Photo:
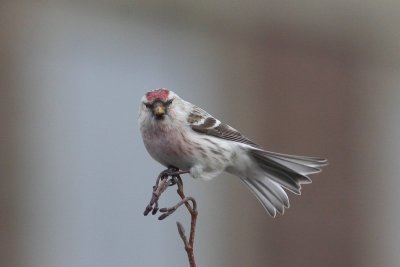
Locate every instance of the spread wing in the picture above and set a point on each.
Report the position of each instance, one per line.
(202, 122)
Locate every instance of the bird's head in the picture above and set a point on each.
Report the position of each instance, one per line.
(158, 103)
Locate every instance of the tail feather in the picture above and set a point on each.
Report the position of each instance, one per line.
(287, 170)
(270, 194)
(306, 158)
(276, 190)
(277, 171)
(262, 197)
(312, 162)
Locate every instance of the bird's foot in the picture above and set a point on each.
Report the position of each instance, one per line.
(172, 172)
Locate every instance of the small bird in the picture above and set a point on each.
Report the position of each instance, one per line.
(178, 134)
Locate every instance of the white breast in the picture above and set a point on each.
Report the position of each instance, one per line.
(167, 145)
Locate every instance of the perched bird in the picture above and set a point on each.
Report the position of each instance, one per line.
(179, 134)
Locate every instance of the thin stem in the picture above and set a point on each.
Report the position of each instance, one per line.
(162, 183)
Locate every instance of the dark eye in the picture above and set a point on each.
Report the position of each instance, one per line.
(169, 102)
(148, 105)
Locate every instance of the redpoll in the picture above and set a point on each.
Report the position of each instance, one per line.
(179, 134)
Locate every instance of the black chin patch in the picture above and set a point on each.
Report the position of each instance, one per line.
(159, 117)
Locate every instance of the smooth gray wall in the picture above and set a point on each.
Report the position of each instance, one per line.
(75, 177)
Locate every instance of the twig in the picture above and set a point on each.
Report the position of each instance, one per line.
(162, 183)
(193, 213)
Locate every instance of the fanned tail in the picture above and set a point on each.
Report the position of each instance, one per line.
(277, 171)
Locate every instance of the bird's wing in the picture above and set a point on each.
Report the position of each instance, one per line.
(202, 122)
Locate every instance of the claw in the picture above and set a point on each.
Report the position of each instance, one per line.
(172, 182)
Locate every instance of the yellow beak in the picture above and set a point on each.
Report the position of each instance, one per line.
(159, 109)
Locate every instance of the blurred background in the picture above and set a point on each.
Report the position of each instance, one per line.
(318, 78)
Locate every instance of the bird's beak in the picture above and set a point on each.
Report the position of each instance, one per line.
(159, 109)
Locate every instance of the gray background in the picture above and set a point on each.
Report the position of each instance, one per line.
(302, 77)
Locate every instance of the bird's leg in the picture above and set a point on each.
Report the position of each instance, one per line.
(179, 172)
(173, 172)
(174, 175)
(169, 171)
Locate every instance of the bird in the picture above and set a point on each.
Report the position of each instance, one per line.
(179, 134)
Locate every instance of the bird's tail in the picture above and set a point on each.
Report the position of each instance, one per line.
(277, 171)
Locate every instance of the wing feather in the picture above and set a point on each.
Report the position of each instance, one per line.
(202, 122)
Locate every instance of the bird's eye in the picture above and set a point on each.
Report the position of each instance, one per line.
(169, 102)
(148, 105)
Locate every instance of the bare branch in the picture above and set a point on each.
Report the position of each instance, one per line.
(162, 183)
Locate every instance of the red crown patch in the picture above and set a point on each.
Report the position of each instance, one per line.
(161, 94)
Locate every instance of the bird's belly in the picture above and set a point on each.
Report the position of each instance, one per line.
(175, 147)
